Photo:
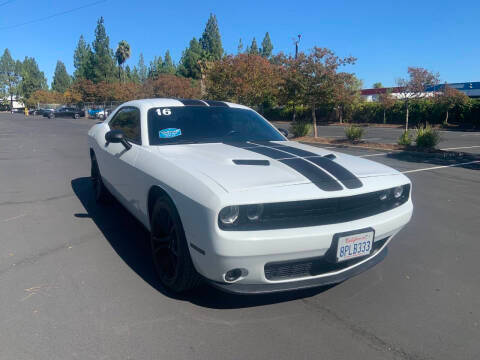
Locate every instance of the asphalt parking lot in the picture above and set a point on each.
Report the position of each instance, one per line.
(76, 279)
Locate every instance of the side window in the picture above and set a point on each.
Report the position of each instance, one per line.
(128, 120)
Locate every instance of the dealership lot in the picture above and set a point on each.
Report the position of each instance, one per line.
(77, 281)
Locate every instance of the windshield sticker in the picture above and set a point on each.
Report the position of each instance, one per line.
(165, 112)
(169, 133)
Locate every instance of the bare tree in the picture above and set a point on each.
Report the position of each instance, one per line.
(413, 87)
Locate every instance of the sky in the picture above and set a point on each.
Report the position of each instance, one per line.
(385, 36)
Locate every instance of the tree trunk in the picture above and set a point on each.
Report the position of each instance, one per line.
(314, 117)
(406, 120)
(294, 112)
(384, 116)
(340, 115)
(446, 118)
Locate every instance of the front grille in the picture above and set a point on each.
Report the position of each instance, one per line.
(313, 266)
(295, 214)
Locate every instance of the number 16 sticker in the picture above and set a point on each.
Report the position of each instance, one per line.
(165, 112)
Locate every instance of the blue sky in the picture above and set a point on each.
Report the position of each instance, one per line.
(385, 36)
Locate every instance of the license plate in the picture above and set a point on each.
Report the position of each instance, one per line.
(353, 246)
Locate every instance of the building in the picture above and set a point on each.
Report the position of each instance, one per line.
(17, 103)
(471, 89)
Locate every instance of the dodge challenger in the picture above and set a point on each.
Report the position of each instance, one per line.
(228, 199)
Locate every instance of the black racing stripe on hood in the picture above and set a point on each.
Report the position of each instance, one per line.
(346, 177)
(310, 171)
(216, 103)
(313, 173)
(192, 102)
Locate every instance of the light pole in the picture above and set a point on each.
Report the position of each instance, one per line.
(296, 41)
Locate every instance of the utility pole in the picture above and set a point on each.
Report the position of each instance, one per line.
(296, 41)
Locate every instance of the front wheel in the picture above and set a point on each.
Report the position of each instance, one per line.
(171, 256)
(101, 192)
(51, 116)
(76, 116)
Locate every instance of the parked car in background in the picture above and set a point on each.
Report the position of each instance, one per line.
(42, 111)
(65, 112)
(94, 112)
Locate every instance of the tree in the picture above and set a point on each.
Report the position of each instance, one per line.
(61, 80)
(253, 49)
(155, 67)
(267, 47)
(9, 76)
(32, 78)
(244, 78)
(318, 78)
(413, 87)
(450, 98)
(82, 60)
(168, 67)
(142, 68)
(44, 97)
(378, 85)
(103, 63)
(211, 41)
(240, 46)
(189, 63)
(387, 101)
(122, 55)
(346, 93)
(167, 85)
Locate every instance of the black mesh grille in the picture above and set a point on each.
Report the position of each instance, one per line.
(312, 266)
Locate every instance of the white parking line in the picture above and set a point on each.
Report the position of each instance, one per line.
(462, 147)
(440, 167)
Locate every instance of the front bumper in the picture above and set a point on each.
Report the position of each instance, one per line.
(334, 278)
(255, 250)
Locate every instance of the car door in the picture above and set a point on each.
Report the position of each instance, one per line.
(119, 163)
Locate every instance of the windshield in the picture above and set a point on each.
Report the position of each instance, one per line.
(195, 124)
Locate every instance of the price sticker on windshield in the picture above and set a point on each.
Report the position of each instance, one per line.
(164, 112)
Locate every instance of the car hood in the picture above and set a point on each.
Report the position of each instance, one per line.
(219, 162)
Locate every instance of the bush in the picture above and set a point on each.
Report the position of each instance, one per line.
(405, 138)
(301, 128)
(427, 137)
(353, 133)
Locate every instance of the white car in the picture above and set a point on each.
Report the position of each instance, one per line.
(228, 199)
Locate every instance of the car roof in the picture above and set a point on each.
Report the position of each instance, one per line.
(165, 102)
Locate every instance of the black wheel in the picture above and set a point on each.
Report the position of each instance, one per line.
(170, 250)
(51, 116)
(76, 116)
(101, 192)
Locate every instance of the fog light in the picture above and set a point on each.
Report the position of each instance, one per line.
(398, 192)
(233, 275)
(254, 212)
(229, 214)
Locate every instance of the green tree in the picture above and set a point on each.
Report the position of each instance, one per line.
(190, 62)
(155, 67)
(240, 47)
(61, 80)
(122, 55)
(378, 85)
(32, 78)
(103, 63)
(211, 41)
(253, 49)
(267, 47)
(82, 60)
(9, 76)
(142, 69)
(168, 67)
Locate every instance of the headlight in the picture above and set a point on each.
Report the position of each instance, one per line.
(254, 212)
(229, 215)
(398, 192)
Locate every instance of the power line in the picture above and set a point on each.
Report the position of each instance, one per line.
(6, 2)
(53, 15)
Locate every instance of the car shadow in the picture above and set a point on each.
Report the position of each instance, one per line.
(130, 240)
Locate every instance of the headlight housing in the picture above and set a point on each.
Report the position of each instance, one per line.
(229, 215)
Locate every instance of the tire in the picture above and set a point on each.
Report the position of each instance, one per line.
(51, 116)
(76, 116)
(102, 194)
(170, 253)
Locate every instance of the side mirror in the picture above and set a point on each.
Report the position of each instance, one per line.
(117, 136)
(283, 131)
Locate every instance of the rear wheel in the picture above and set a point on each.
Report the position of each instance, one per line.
(170, 253)
(51, 116)
(101, 192)
(76, 116)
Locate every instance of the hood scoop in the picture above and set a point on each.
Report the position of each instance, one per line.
(252, 162)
